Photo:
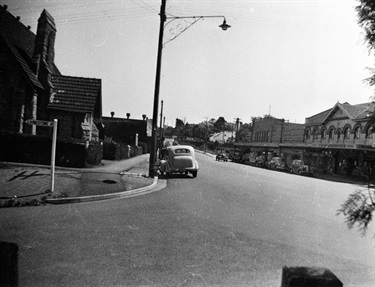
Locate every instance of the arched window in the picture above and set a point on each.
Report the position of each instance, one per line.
(338, 134)
(307, 134)
(323, 133)
(357, 132)
(347, 133)
(331, 133)
(315, 134)
(370, 132)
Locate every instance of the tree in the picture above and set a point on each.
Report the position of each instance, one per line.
(360, 205)
(244, 133)
(179, 123)
(358, 208)
(179, 128)
(366, 19)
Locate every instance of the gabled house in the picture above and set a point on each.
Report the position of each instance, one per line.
(32, 87)
(75, 102)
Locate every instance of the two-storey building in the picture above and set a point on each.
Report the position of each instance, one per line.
(273, 137)
(341, 139)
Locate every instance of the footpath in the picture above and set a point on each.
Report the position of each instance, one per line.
(27, 184)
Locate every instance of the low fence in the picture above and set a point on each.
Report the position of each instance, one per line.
(37, 150)
(117, 151)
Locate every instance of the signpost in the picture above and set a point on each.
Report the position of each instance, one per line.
(53, 150)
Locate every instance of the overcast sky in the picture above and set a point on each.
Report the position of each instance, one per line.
(292, 59)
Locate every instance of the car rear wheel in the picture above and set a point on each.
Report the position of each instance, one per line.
(194, 173)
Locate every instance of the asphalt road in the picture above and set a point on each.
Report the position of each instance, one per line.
(233, 225)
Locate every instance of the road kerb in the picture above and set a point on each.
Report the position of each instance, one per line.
(121, 194)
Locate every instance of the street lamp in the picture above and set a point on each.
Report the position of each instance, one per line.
(163, 18)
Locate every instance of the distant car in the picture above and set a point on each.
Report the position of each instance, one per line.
(222, 156)
(276, 163)
(179, 159)
(300, 167)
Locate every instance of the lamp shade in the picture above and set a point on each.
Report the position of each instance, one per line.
(224, 26)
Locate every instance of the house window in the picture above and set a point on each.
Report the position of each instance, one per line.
(357, 132)
(315, 134)
(330, 134)
(307, 134)
(338, 134)
(323, 134)
(347, 133)
(369, 132)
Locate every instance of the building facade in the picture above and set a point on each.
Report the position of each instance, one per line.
(126, 130)
(341, 139)
(273, 137)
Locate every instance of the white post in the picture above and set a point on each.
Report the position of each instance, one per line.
(53, 155)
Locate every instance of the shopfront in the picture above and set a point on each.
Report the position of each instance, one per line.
(351, 160)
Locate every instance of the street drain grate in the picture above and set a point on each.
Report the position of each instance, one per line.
(109, 181)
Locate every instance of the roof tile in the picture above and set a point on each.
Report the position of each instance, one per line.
(75, 94)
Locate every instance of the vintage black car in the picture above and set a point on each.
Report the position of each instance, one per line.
(222, 156)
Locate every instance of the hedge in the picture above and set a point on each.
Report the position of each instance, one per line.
(37, 150)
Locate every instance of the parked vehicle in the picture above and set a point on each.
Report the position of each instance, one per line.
(179, 159)
(222, 156)
(260, 161)
(276, 163)
(300, 167)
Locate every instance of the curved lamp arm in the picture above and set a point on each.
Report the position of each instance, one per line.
(177, 25)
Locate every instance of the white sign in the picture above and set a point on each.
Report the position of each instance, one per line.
(40, 123)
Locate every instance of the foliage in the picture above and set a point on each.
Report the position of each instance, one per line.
(179, 123)
(244, 133)
(220, 124)
(358, 208)
(366, 19)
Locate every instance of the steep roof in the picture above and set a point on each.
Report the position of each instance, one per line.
(359, 111)
(21, 42)
(354, 112)
(75, 94)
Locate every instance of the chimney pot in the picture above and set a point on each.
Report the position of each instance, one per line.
(5, 7)
(29, 27)
(127, 115)
(18, 18)
(112, 114)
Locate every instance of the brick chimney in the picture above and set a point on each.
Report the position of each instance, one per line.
(44, 49)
